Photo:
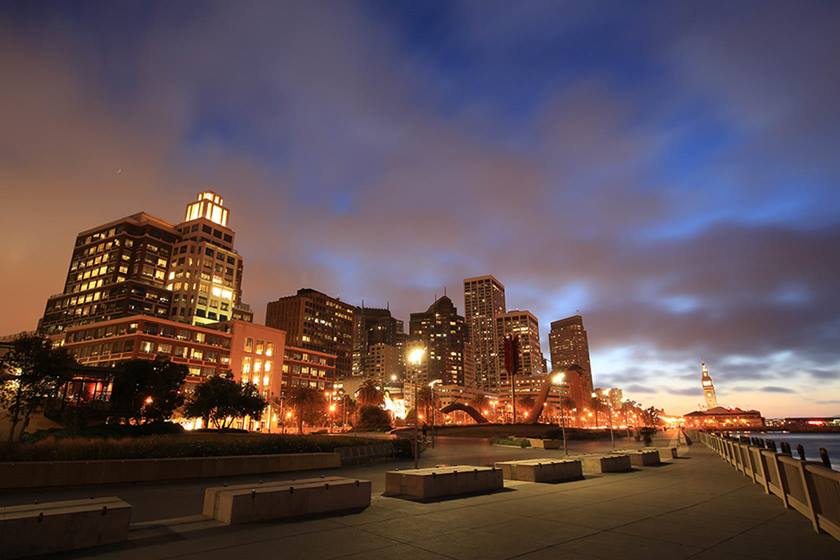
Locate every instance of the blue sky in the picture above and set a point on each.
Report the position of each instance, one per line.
(667, 169)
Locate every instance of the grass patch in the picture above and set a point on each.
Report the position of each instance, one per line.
(172, 445)
(523, 443)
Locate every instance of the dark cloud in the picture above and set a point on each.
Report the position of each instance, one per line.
(675, 184)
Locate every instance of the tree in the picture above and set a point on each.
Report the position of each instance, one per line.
(650, 416)
(148, 391)
(220, 400)
(369, 394)
(308, 404)
(373, 419)
(30, 372)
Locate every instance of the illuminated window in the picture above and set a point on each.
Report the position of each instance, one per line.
(249, 344)
(260, 346)
(246, 366)
(267, 366)
(258, 366)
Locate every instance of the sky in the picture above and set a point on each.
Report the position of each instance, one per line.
(668, 169)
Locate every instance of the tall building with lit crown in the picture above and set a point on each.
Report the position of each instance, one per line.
(525, 327)
(117, 269)
(316, 321)
(569, 345)
(708, 387)
(444, 335)
(484, 300)
(206, 272)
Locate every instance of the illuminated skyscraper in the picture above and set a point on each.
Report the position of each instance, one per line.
(708, 387)
(316, 321)
(444, 335)
(484, 300)
(526, 328)
(116, 270)
(569, 346)
(206, 272)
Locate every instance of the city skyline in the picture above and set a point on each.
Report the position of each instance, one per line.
(659, 199)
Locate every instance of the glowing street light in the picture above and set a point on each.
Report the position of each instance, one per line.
(559, 379)
(415, 358)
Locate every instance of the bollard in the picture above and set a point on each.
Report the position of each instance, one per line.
(800, 451)
(786, 448)
(771, 445)
(826, 460)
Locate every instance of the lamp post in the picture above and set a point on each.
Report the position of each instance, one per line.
(415, 358)
(559, 379)
(432, 395)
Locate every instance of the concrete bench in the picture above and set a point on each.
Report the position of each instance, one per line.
(641, 457)
(544, 443)
(52, 527)
(288, 499)
(664, 452)
(542, 470)
(441, 482)
(604, 463)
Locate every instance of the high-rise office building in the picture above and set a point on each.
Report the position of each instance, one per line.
(569, 346)
(382, 363)
(525, 327)
(144, 265)
(372, 326)
(318, 322)
(116, 270)
(444, 335)
(206, 272)
(484, 300)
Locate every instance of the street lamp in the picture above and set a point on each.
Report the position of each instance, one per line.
(432, 395)
(415, 358)
(559, 379)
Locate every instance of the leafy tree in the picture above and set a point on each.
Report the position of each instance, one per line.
(373, 419)
(30, 372)
(308, 404)
(650, 416)
(148, 391)
(369, 394)
(220, 400)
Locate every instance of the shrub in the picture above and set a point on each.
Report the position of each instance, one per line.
(172, 445)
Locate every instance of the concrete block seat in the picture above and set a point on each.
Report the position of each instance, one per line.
(640, 457)
(51, 527)
(287, 499)
(537, 443)
(542, 470)
(664, 452)
(609, 463)
(442, 482)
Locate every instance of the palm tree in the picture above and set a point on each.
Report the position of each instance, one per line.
(308, 404)
(369, 394)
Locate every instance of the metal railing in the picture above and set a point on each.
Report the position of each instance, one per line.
(811, 488)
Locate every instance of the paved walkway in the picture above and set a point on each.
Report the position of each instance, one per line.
(694, 507)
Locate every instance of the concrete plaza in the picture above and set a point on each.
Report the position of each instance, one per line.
(692, 507)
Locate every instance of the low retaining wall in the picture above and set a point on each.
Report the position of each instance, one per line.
(363, 454)
(806, 486)
(608, 463)
(51, 527)
(641, 457)
(76, 473)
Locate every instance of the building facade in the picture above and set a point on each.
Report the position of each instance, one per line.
(316, 321)
(308, 368)
(525, 327)
(206, 272)
(116, 270)
(444, 335)
(484, 300)
(143, 265)
(723, 418)
(382, 363)
(569, 346)
(373, 328)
